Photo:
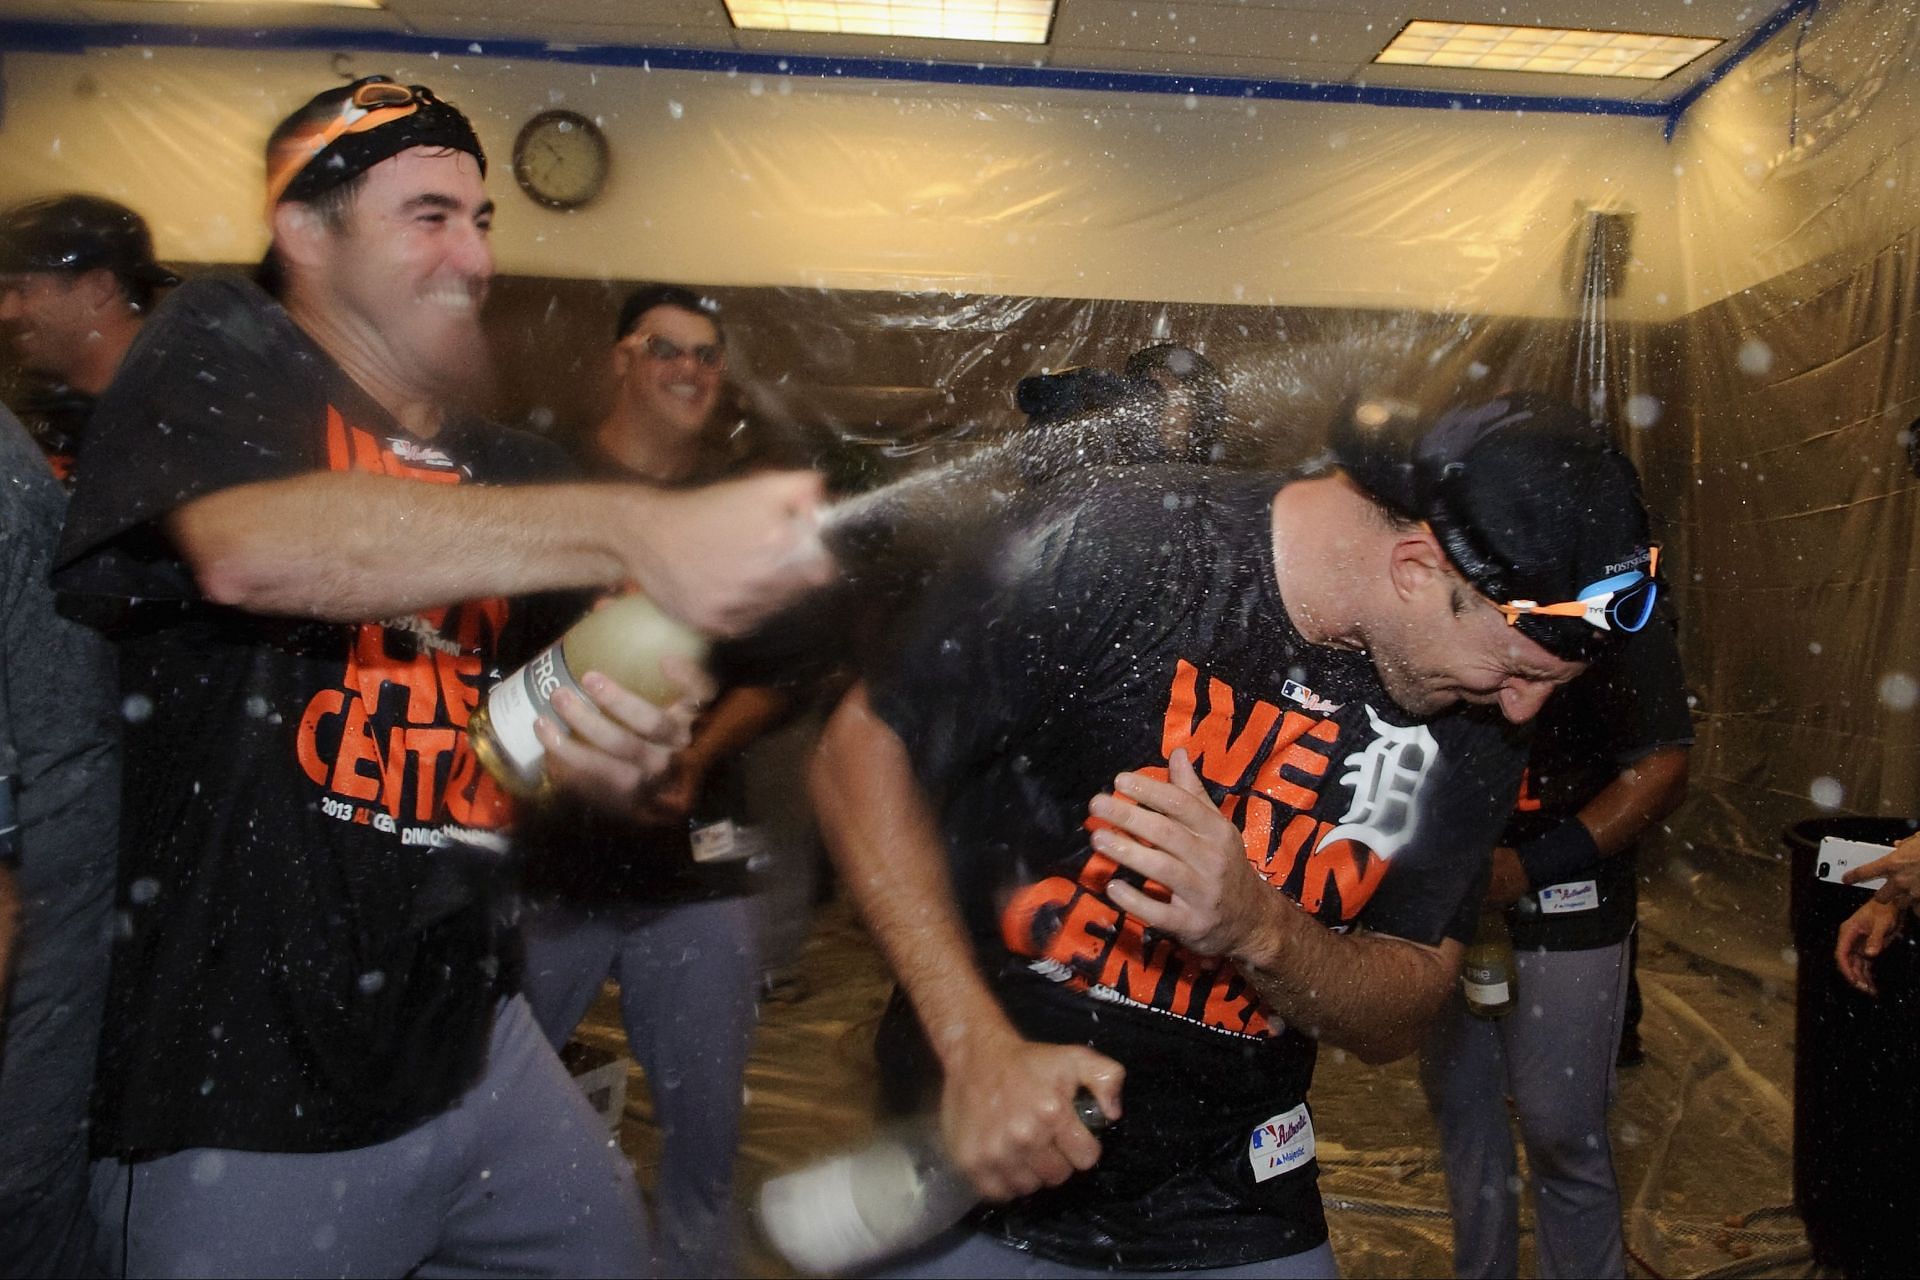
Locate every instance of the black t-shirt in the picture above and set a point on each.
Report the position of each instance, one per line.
(588, 858)
(1630, 704)
(1137, 612)
(309, 953)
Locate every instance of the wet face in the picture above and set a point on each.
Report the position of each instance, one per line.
(663, 383)
(410, 266)
(1467, 654)
(49, 317)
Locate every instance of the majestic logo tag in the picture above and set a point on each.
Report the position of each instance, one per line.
(1282, 1144)
(1294, 691)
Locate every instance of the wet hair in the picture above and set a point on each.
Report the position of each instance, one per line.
(73, 234)
(648, 296)
(1169, 365)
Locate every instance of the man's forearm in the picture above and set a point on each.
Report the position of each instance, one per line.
(349, 547)
(9, 928)
(741, 717)
(885, 841)
(1365, 992)
(1608, 824)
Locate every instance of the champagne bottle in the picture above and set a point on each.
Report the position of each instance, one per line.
(624, 639)
(1488, 974)
(850, 1211)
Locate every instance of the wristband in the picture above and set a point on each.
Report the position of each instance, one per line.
(1559, 855)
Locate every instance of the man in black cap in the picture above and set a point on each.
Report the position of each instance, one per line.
(1256, 679)
(314, 1061)
(77, 280)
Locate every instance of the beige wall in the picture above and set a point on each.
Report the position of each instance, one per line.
(790, 181)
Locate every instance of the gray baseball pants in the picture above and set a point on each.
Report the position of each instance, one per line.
(689, 976)
(520, 1177)
(966, 1254)
(1554, 1055)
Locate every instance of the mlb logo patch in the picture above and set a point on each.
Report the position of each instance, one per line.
(1282, 1144)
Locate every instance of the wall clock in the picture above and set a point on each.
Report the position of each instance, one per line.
(561, 159)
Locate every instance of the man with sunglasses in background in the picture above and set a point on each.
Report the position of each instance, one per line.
(1291, 700)
(660, 901)
(320, 557)
(1609, 759)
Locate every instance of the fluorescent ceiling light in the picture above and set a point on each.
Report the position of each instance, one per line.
(259, 4)
(1555, 50)
(1007, 21)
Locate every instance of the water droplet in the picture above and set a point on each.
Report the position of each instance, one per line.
(143, 891)
(1827, 793)
(1899, 691)
(1756, 357)
(135, 708)
(1642, 411)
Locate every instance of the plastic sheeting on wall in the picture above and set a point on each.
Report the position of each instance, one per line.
(1784, 464)
(897, 256)
(746, 180)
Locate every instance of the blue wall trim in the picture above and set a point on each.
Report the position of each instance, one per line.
(46, 37)
(1761, 34)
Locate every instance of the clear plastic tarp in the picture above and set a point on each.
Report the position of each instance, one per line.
(892, 259)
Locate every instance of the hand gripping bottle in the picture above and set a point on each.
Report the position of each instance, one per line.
(624, 639)
(847, 1212)
(1488, 974)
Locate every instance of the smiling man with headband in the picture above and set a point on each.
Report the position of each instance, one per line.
(314, 1061)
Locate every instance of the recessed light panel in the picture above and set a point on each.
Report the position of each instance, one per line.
(1007, 21)
(329, 4)
(1551, 50)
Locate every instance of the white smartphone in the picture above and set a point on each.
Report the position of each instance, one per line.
(1836, 857)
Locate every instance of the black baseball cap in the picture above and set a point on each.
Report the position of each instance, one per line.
(646, 297)
(76, 233)
(1049, 397)
(341, 133)
(1525, 494)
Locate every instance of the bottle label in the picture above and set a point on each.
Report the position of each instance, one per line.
(1485, 992)
(813, 1218)
(716, 841)
(522, 698)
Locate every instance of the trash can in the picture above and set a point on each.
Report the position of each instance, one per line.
(1856, 1073)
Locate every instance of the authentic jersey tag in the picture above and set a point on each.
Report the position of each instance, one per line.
(1564, 899)
(1282, 1144)
(1294, 691)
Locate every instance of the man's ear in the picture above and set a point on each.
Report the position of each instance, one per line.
(1415, 563)
(622, 360)
(100, 288)
(299, 235)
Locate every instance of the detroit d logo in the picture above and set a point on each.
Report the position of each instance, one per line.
(1386, 779)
